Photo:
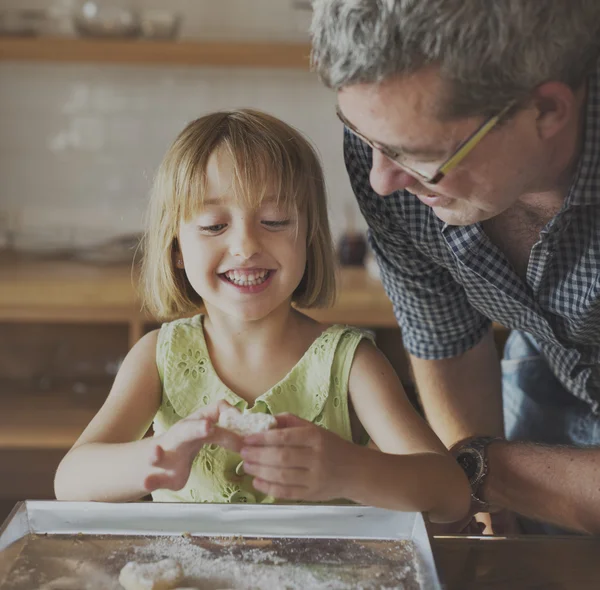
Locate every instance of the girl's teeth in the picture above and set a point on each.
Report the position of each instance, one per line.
(250, 279)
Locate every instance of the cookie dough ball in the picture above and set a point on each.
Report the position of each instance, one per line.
(160, 575)
(247, 423)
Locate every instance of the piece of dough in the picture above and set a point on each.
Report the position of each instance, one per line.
(160, 575)
(247, 423)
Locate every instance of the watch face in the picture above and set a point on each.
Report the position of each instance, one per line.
(470, 465)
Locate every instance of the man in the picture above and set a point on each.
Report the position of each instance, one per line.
(479, 125)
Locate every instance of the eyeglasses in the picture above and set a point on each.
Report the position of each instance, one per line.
(435, 175)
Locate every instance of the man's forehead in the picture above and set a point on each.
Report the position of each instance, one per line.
(399, 112)
(420, 92)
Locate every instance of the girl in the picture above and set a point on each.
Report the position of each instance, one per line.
(238, 222)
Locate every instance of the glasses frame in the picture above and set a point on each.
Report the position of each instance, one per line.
(450, 162)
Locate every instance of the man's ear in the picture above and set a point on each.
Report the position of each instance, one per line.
(556, 105)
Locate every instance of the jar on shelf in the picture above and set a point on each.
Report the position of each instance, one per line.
(352, 245)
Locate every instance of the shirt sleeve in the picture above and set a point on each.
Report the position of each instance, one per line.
(431, 307)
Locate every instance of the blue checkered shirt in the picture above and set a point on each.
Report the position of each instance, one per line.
(447, 283)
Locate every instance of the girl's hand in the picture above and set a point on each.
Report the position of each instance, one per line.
(299, 461)
(172, 456)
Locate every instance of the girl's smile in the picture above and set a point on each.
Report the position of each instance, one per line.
(248, 280)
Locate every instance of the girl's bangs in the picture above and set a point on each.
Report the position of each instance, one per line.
(264, 171)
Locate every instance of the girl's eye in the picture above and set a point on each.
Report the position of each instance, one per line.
(275, 224)
(212, 229)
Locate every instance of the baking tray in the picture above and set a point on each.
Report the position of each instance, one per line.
(48, 545)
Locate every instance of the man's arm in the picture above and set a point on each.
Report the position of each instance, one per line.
(462, 395)
(555, 484)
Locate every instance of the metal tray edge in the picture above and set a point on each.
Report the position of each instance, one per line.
(316, 521)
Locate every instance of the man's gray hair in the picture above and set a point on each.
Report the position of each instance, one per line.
(490, 52)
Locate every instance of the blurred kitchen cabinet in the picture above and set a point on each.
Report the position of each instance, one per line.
(53, 378)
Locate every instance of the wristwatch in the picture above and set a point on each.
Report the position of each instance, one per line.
(471, 455)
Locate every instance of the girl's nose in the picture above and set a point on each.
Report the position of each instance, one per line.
(245, 243)
(387, 177)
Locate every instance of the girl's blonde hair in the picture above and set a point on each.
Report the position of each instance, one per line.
(267, 154)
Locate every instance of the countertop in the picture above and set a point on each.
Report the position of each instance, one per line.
(518, 563)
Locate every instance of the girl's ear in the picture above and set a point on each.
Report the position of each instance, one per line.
(176, 255)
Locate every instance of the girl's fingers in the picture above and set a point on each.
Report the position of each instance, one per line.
(211, 412)
(193, 430)
(206, 413)
(226, 439)
(290, 421)
(276, 475)
(223, 405)
(280, 491)
(192, 435)
(157, 456)
(286, 457)
(166, 479)
(281, 437)
(156, 481)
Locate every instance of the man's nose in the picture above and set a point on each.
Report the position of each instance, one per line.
(245, 242)
(387, 177)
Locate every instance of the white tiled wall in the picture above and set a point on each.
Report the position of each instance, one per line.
(79, 143)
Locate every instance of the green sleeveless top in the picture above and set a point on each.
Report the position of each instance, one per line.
(315, 389)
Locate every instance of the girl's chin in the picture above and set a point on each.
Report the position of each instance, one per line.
(242, 312)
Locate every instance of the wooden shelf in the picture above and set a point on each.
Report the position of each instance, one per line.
(74, 292)
(51, 421)
(140, 52)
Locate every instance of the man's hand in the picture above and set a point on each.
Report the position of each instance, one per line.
(502, 522)
(171, 459)
(298, 461)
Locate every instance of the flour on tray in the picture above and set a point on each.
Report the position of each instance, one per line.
(236, 564)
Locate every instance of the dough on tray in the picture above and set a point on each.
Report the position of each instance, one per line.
(247, 423)
(159, 575)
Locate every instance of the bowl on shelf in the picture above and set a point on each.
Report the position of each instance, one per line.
(101, 19)
(159, 24)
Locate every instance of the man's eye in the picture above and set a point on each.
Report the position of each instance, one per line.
(212, 229)
(280, 223)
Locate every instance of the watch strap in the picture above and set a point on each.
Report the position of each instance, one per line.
(477, 445)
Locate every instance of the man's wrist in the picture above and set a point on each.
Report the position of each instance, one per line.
(491, 489)
(472, 455)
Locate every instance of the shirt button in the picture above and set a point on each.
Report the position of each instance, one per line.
(241, 497)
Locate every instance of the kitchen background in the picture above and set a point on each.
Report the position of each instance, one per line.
(79, 142)
(83, 124)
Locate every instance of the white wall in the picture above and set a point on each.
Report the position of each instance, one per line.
(79, 143)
